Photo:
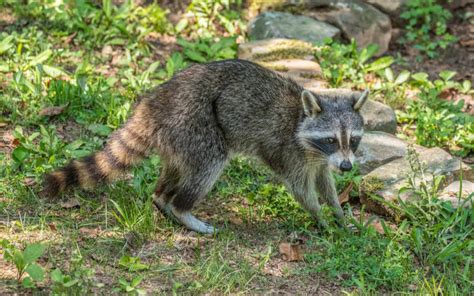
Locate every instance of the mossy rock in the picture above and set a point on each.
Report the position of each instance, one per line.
(276, 49)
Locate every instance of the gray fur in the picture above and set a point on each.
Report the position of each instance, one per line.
(208, 112)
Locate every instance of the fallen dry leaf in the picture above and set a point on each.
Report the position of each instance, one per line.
(70, 203)
(70, 38)
(467, 43)
(344, 196)
(90, 231)
(236, 220)
(291, 252)
(52, 226)
(52, 111)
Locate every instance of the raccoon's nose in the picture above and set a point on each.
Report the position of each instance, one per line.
(345, 166)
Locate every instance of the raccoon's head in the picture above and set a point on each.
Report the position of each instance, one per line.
(332, 127)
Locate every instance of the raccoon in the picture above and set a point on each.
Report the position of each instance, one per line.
(206, 114)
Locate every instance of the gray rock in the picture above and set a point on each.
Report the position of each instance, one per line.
(286, 25)
(451, 193)
(275, 49)
(377, 149)
(391, 7)
(306, 73)
(356, 19)
(387, 180)
(377, 116)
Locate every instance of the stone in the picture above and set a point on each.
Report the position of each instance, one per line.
(307, 73)
(387, 180)
(377, 116)
(377, 149)
(451, 193)
(356, 19)
(275, 49)
(391, 7)
(272, 24)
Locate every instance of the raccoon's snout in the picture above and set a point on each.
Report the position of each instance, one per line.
(345, 166)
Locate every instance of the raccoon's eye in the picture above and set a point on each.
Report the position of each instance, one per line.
(355, 140)
(328, 140)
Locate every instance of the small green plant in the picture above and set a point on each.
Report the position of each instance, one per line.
(79, 281)
(393, 88)
(175, 63)
(25, 262)
(341, 63)
(132, 263)
(426, 26)
(205, 50)
(205, 17)
(130, 288)
(439, 122)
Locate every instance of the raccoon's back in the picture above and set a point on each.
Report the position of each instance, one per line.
(249, 104)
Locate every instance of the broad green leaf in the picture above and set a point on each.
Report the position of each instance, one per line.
(57, 276)
(181, 25)
(28, 282)
(447, 75)
(389, 74)
(420, 76)
(227, 53)
(53, 71)
(70, 283)
(152, 68)
(6, 44)
(195, 56)
(19, 260)
(402, 77)
(367, 53)
(33, 252)
(35, 271)
(136, 281)
(466, 85)
(186, 44)
(20, 154)
(39, 59)
(107, 7)
(380, 64)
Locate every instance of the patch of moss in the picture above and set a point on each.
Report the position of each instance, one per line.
(279, 68)
(290, 49)
(371, 185)
(310, 75)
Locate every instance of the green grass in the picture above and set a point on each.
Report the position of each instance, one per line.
(94, 60)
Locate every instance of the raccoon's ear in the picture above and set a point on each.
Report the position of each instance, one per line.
(310, 103)
(359, 102)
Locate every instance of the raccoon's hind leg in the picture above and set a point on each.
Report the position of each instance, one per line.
(179, 191)
(166, 189)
